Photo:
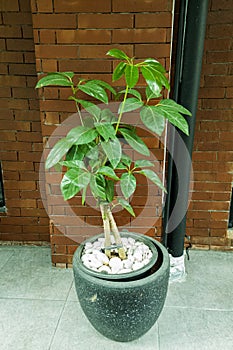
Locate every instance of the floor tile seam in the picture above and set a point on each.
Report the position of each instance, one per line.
(199, 308)
(60, 316)
(6, 262)
(31, 299)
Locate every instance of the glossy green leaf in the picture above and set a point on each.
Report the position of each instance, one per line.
(113, 151)
(109, 190)
(131, 75)
(97, 185)
(117, 54)
(172, 112)
(128, 184)
(81, 135)
(104, 85)
(74, 164)
(150, 94)
(151, 175)
(141, 163)
(108, 171)
(126, 206)
(154, 63)
(134, 141)
(75, 153)
(70, 185)
(125, 159)
(88, 106)
(154, 84)
(106, 130)
(152, 119)
(53, 79)
(95, 90)
(107, 116)
(173, 106)
(119, 71)
(58, 151)
(130, 104)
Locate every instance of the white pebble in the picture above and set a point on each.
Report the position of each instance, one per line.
(104, 268)
(137, 265)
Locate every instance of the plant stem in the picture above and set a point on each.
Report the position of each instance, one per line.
(122, 108)
(106, 223)
(113, 225)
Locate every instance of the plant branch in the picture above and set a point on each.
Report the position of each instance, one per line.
(106, 223)
(113, 225)
(122, 107)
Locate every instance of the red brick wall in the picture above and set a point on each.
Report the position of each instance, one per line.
(213, 149)
(20, 127)
(76, 36)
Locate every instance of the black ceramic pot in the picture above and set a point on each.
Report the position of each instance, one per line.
(123, 309)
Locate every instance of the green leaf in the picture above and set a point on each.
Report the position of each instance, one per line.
(58, 151)
(131, 75)
(150, 94)
(81, 135)
(130, 104)
(69, 75)
(171, 111)
(88, 106)
(134, 141)
(109, 190)
(104, 85)
(70, 184)
(154, 84)
(158, 75)
(119, 71)
(53, 79)
(74, 164)
(109, 172)
(118, 54)
(92, 89)
(126, 160)
(97, 185)
(141, 163)
(107, 116)
(151, 175)
(152, 119)
(75, 153)
(106, 130)
(173, 106)
(126, 206)
(153, 63)
(112, 149)
(128, 184)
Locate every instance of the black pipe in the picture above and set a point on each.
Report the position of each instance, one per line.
(190, 44)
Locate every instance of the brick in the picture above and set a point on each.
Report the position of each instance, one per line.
(47, 36)
(25, 68)
(14, 103)
(11, 57)
(218, 81)
(85, 66)
(44, 6)
(205, 92)
(9, 6)
(56, 51)
(152, 50)
(3, 68)
(15, 18)
(8, 31)
(153, 20)
(5, 92)
(220, 30)
(99, 51)
(220, 57)
(25, 5)
(26, 136)
(140, 6)
(27, 32)
(139, 35)
(102, 21)
(29, 57)
(82, 6)
(223, 5)
(216, 17)
(54, 21)
(83, 36)
(50, 65)
(20, 44)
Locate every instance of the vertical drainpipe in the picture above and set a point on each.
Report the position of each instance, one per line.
(189, 53)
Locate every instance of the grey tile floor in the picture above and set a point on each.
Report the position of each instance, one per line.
(39, 309)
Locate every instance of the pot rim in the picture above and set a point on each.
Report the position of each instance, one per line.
(123, 283)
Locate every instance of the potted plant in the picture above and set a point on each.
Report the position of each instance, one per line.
(121, 300)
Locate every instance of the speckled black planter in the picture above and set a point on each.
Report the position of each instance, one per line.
(123, 310)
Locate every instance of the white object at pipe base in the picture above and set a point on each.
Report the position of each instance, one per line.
(177, 269)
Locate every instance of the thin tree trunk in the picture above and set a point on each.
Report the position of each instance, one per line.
(115, 231)
(106, 223)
